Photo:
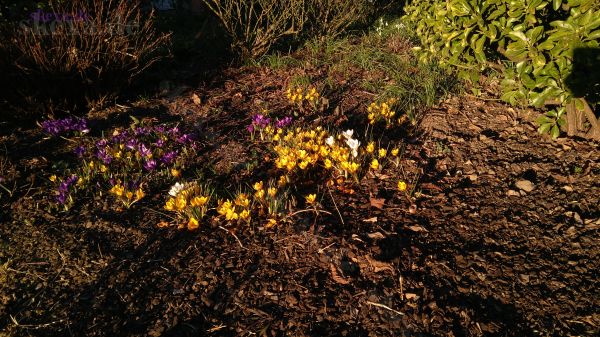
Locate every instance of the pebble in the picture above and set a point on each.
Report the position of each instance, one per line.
(525, 185)
(568, 188)
(513, 193)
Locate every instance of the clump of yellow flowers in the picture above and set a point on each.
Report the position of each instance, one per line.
(268, 197)
(383, 111)
(299, 150)
(236, 210)
(190, 201)
(300, 95)
(127, 196)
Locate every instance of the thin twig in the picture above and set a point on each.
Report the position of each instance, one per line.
(34, 326)
(334, 204)
(235, 236)
(308, 210)
(385, 307)
(161, 213)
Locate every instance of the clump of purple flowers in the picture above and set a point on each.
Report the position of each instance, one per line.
(258, 122)
(64, 186)
(147, 147)
(282, 123)
(140, 154)
(55, 127)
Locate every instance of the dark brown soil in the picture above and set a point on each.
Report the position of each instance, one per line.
(472, 255)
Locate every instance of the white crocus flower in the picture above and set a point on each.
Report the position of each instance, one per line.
(329, 141)
(175, 189)
(348, 134)
(353, 144)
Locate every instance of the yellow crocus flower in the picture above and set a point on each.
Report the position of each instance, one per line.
(193, 224)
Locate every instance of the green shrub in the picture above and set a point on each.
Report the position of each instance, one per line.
(531, 42)
(74, 62)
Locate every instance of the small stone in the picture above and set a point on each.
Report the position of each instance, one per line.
(525, 185)
(473, 177)
(568, 188)
(513, 193)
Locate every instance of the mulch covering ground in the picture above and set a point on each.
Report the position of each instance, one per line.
(479, 253)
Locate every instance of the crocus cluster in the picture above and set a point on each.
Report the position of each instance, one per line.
(147, 148)
(263, 124)
(190, 201)
(299, 150)
(127, 193)
(235, 210)
(383, 111)
(57, 127)
(128, 159)
(337, 155)
(299, 95)
(259, 121)
(284, 122)
(269, 199)
(63, 193)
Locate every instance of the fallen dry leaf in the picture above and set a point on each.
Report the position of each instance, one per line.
(376, 236)
(336, 277)
(417, 229)
(379, 265)
(162, 224)
(373, 219)
(410, 296)
(196, 99)
(377, 202)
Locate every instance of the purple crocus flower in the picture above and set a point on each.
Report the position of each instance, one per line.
(101, 143)
(144, 151)
(186, 138)
(63, 188)
(260, 120)
(79, 151)
(174, 131)
(250, 128)
(283, 122)
(59, 126)
(104, 156)
(141, 131)
(119, 138)
(150, 165)
(131, 143)
(169, 157)
(160, 143)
